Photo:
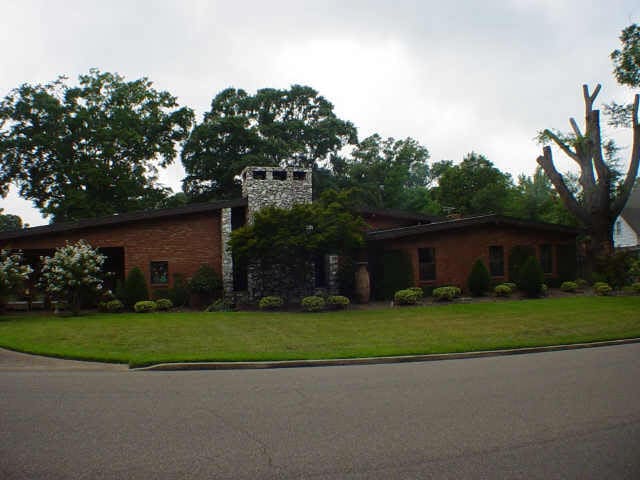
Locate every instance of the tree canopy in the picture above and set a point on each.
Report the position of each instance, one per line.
(626, 61)
(91, 149)
(274, 127)
(9, 222)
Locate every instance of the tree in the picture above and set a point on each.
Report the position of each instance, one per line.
(602, 196)
(626, 61)
(134, 289)
(73, 272)
(12, 274)
(473, 186)
(479, 280)
(9, 222)
(91, 149)
(294, 127)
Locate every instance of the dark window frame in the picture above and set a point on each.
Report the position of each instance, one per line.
(159, 272)
(279, 175)
(259, 174)
(496, 264)
(427, 264)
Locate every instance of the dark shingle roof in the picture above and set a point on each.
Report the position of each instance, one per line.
(631, 211)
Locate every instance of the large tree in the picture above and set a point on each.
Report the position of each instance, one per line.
(9, 221)
(91, 149)
(293, 127)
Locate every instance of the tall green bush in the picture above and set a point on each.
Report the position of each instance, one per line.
(134, 288)
(479, 279)
(392, 271)
(531, 278)
(517, 258)
(179, 293)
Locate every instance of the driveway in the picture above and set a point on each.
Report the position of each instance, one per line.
(569, 414)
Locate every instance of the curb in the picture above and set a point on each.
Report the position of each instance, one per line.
(374, 360)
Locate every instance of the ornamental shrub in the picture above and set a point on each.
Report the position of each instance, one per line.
(602, 288)
(635, 287)
(145, 306)
(179, 293)
(271, 302)
(392, 271)
(502, 290)
(571, 287)
(164, 304)
(544, 290)
(581, 282)
(479, 280)
(220, 305)
(338, 302)
(205, 281)
(134, 289)
(114, 306)
(531, 277)
(517, 258)
(73, 272)
(511, 285)
(418, 291)
(12, 274)
(446, 294)
(313, 303)
(407, 296)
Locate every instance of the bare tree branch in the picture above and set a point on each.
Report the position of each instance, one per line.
(632, 172)
(596, 146)
(563, 146)
(575, 127)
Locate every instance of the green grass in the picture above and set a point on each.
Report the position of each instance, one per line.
(142, 339)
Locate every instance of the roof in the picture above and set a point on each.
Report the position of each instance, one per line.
(386, 212)
(631, 211)
(479, 220)
(122, 218)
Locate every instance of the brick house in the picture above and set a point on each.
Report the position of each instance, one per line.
(166, 242)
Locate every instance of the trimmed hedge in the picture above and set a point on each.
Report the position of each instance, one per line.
(407, 296)
(312, 303)
(602, 288)
(271, 302)
(164, 304)
(145, 306)
(446, 294)
(337, 302)
(114, 306)
(571, 287)
(502, 290)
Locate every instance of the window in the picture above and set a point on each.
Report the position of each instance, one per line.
(496, 261)
(259, 175)
(320, 271)
(546, 258)
(299, 175)
(618, 227)
(427, 263)
(279, 175)
(159, 273)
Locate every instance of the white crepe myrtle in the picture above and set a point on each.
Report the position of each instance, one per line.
(12, 273)
(74, 270)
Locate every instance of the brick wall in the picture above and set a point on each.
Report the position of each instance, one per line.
(185, 241)
(457, 250)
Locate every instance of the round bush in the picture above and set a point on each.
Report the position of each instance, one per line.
(531, 277)
(220, 305)
(446, 294)
(271, 302)
(511, 285)
(145, 306)
(164, 304)
(502, 290)
(569, 287)
(407, 296)
(312, 303)
(479, 279)
(337, 302)
(581, 282)
(134, 288)
(544, 290)
(114, 306)
(602, 288)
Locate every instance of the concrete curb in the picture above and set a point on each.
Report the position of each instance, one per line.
(374, 360)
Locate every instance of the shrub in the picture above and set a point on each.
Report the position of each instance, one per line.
(205, 281)
(531, 278)
(220, 305)
(337, 302)
(312, 303)
(517, 258)
(164, 304)
(544, 290)
(271, 302)
(408, 296)
(114, 306)
(635, 287)
(134, 288)
(179, 293)
(12, 274)
(479, 279)
(392, 271)
(145, 306)
(446, 294)
(571, 287)
(417, 290)
(160, 293)
(581, 282)
(616, 269)
(511, 285)
(602, 288)
(502, 290)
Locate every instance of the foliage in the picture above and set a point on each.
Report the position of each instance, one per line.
(74, 271)
(626, 61)
(179, 293)
(114, 306)
(347, 276)
(479, 279)
(9, 222)
(145, 306)
(91, 149)
(567, 261)
(602, 288)
(502, 290)
(517, 258)
(407, 296)
(12, 273)
(294, 127)
(511, 285)
(205, 281)
(616, 269)
(544, 290)
(635, 287)
(134, 288)
(581, 282)
(164, 304)
(338, 302)
(313, 303)
(270, 302)
(445, 294)
(392, 271)
(569, 286)
(220, 305)
(531, 277)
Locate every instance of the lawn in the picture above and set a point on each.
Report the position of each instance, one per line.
(142, 339)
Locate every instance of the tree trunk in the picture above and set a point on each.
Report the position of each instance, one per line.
(599, 245)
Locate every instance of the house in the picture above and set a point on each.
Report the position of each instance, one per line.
(626, 229)
(176, 241)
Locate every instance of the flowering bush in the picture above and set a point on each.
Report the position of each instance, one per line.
(74, 269)
(12, 273)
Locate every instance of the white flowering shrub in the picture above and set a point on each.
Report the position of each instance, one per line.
(74, 270)
(12, 274)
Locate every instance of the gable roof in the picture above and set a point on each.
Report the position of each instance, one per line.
(631, 211)
(453, 224)
(122, 218)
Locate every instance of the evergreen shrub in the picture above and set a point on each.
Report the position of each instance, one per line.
(114, 306)
(479, 280)
(145, 306)
(313, 303)
(446, 294)
(517, 258)
(337, 302)
(164, 304)
(271, 302)
(407, 296)
(568, 286)
(179, 293)
(220, 305)
(134, 288)
(602, 288)
(392, 271)
(502, 290)
(531, 277)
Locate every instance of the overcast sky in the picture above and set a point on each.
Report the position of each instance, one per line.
(457, 76)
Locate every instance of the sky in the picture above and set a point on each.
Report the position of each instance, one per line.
(458, 76)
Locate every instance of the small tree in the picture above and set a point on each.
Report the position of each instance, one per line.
(479, 279)
(531, 278)
(135, 288)
(74, 270)
(12, 274)
(206, 284)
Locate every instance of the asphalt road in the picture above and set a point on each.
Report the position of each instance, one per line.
(570, 415)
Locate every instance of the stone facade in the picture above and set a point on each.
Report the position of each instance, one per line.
(227, 257)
